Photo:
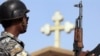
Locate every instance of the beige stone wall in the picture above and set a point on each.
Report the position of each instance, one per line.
(51, 51)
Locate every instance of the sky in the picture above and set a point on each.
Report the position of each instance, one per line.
(41, 12)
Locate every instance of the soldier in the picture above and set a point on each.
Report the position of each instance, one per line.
(14, 20)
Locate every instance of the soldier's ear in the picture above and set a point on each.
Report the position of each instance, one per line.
(22, 21)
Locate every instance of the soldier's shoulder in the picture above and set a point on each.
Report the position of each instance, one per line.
(6, 39)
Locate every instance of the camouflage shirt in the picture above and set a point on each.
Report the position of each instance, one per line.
(13, 46)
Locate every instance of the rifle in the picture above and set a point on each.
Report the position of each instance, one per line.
(78, 33)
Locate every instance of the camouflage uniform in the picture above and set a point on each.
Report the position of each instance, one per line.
(12, 46)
